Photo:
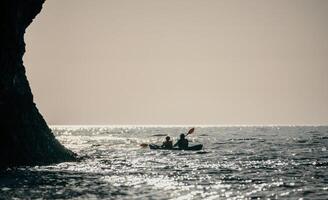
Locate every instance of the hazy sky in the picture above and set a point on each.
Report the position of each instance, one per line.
(180, 61)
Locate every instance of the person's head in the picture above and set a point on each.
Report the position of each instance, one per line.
(167, 138)
(182, 136)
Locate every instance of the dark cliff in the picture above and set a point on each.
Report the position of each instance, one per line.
(25, 138)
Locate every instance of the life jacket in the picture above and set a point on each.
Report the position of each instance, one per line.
(167, 145)
(183, 144)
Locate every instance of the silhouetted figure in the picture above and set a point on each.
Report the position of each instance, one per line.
(167, 144)
(182, 142)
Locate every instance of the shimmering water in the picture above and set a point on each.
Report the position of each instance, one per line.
(237, 163)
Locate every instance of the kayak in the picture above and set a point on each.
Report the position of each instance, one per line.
(196, 147)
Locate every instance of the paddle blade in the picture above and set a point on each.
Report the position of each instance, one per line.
(191, 131)
(144, 145)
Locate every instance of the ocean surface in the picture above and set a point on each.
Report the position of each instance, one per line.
(268, 162)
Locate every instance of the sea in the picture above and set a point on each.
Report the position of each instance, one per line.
(237, 162)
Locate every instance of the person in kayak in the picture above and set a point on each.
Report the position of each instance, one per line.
(167, 144)
(182, 142)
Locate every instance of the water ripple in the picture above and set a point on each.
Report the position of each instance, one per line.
(237, 163)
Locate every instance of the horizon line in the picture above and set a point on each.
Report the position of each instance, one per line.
(187, 125)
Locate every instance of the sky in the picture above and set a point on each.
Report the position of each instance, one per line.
(153, 62)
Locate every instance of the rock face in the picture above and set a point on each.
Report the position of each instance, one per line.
(25, 138)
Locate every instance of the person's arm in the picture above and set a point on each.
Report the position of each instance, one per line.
(171, 144)
(176, 144)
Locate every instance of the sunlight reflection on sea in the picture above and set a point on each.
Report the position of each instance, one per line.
(236, 163)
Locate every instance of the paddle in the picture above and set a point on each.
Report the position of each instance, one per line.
(189, 132)
(143, 145)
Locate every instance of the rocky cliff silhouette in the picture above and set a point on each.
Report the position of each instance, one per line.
(25, 138)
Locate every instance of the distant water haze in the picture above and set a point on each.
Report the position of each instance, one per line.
(180, 62)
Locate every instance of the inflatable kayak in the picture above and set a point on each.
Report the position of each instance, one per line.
(190, 148)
